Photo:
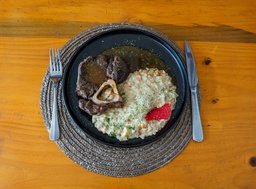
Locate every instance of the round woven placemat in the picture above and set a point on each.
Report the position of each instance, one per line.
(100, 158)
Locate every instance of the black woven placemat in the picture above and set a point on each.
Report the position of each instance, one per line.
(100, 158)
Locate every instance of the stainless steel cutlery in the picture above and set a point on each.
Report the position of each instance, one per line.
(193, 82)
(55, 75)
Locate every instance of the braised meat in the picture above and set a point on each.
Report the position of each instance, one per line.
(94, 74)
(91, 108)
(91, 74)
(117, 69)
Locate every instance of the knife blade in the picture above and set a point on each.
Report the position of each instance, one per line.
(197, 130)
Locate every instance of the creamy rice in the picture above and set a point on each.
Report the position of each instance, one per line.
(143, 91)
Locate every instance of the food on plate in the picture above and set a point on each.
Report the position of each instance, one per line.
(145, 93)
(91, 74)
(106, 97)
(96, 76)
(107, 92)
(91, 108)
(163, 112)
(117, 69)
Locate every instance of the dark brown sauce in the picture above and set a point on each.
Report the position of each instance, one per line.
(137, 58)
(95, 73)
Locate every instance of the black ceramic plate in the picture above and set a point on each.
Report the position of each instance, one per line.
(108, 40)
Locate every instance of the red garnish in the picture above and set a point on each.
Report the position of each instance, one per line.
(163, 112)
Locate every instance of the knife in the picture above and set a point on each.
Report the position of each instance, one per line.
(197, 132)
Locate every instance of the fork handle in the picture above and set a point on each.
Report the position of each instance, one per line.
(54, 130)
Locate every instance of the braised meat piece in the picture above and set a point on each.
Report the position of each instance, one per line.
(91, 74)
(95, 74)
(91, 108)
(117, 69)
(93, 71)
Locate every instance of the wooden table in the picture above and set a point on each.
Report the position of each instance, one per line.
(223, 37)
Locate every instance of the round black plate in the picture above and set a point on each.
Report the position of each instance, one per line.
(114, 38)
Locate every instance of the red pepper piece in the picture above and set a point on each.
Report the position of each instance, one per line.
(163, 112)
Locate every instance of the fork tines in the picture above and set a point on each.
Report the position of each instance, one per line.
(55, 61)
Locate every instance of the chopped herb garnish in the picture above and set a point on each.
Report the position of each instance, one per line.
(107, 119)
(170, 90)
(119, 125)
(131, 127)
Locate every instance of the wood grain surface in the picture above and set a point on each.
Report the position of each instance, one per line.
(222, 35)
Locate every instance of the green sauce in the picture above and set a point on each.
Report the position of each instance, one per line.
(138, 58)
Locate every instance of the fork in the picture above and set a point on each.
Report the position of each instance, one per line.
(55, 75)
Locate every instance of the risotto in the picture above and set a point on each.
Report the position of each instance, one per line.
(142, 91)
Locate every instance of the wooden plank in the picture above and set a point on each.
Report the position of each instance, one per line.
(66, 29)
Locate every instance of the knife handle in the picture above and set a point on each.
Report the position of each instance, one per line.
(198, 135)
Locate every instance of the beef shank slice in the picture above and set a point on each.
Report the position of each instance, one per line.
(93, 72)
(95, 109)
